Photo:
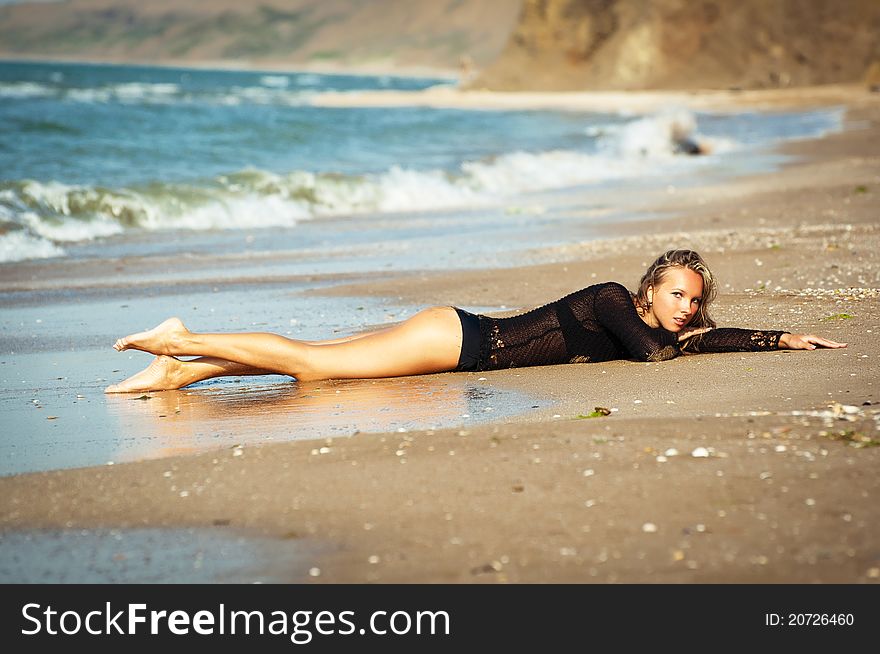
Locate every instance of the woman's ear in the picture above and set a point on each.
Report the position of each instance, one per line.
(649, 294)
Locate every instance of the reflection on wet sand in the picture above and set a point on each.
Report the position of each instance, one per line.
(144, 556)
(224, 413)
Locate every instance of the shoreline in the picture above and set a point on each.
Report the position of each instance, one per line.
(369, 70)
(782, 494)
(636, 101)
(452, 97)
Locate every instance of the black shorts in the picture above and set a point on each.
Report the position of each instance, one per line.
(469, 358)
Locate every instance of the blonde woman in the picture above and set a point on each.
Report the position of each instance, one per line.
(667, 316)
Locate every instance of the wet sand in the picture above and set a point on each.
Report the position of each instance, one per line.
(754, 467)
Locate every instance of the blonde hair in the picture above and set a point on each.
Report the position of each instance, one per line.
(658, 270)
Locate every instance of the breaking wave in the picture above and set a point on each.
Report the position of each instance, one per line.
(37, 218)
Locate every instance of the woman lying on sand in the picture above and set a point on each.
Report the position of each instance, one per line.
(666, 317)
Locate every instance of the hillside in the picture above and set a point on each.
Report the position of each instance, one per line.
(645, 44)
(393, 34)
(542, 45)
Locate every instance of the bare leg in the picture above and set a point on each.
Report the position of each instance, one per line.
(175, 324)
(167, 373)
(346, 339)
(429, 341)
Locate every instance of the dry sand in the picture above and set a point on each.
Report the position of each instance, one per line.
(757, 467)
(613, 101)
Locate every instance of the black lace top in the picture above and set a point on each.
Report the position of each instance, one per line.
(598, 323)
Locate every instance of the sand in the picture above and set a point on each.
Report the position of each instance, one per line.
(637, 101)
(755, 467)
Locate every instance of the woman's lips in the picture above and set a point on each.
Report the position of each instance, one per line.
(680, 321)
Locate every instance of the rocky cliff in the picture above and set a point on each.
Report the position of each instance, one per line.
(643, 44)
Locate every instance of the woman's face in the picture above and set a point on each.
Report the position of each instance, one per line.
(676, 299)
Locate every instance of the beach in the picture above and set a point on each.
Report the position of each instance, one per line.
(731, 468)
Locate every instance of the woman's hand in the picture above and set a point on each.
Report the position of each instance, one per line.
(805, 342)
(685, 334)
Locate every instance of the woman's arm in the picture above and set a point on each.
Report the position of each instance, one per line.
(685, 334)
(806, 342)
(728, 339)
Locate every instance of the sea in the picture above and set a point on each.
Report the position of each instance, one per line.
(108, 161)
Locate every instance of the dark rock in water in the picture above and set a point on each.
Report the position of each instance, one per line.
(688, 146)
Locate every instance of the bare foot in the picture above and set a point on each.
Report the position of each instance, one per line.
(158, 340)
(163, 374)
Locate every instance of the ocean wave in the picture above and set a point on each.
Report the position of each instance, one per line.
(275, 81)
(20, 90)
(270, 91)
(55, 213)
(659, 136)
(308, 79)
(21, 246)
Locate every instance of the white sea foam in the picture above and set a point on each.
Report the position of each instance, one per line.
(269, 93)
(275, 81)
(88, 96)
(258, 95)
(70, 231)
(660, 137)
(128, 93)
(25, 90)
(308, 79)
(526, 171)
(401, 189)
(62, 213)
(657, 136)
(20, 246)
(138, 91)
(244, 212)
(654, 136)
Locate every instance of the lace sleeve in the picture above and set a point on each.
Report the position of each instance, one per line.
(615, 311)
(730, 339)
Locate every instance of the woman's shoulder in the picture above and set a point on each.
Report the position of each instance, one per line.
(605, 292)
(611, 288)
